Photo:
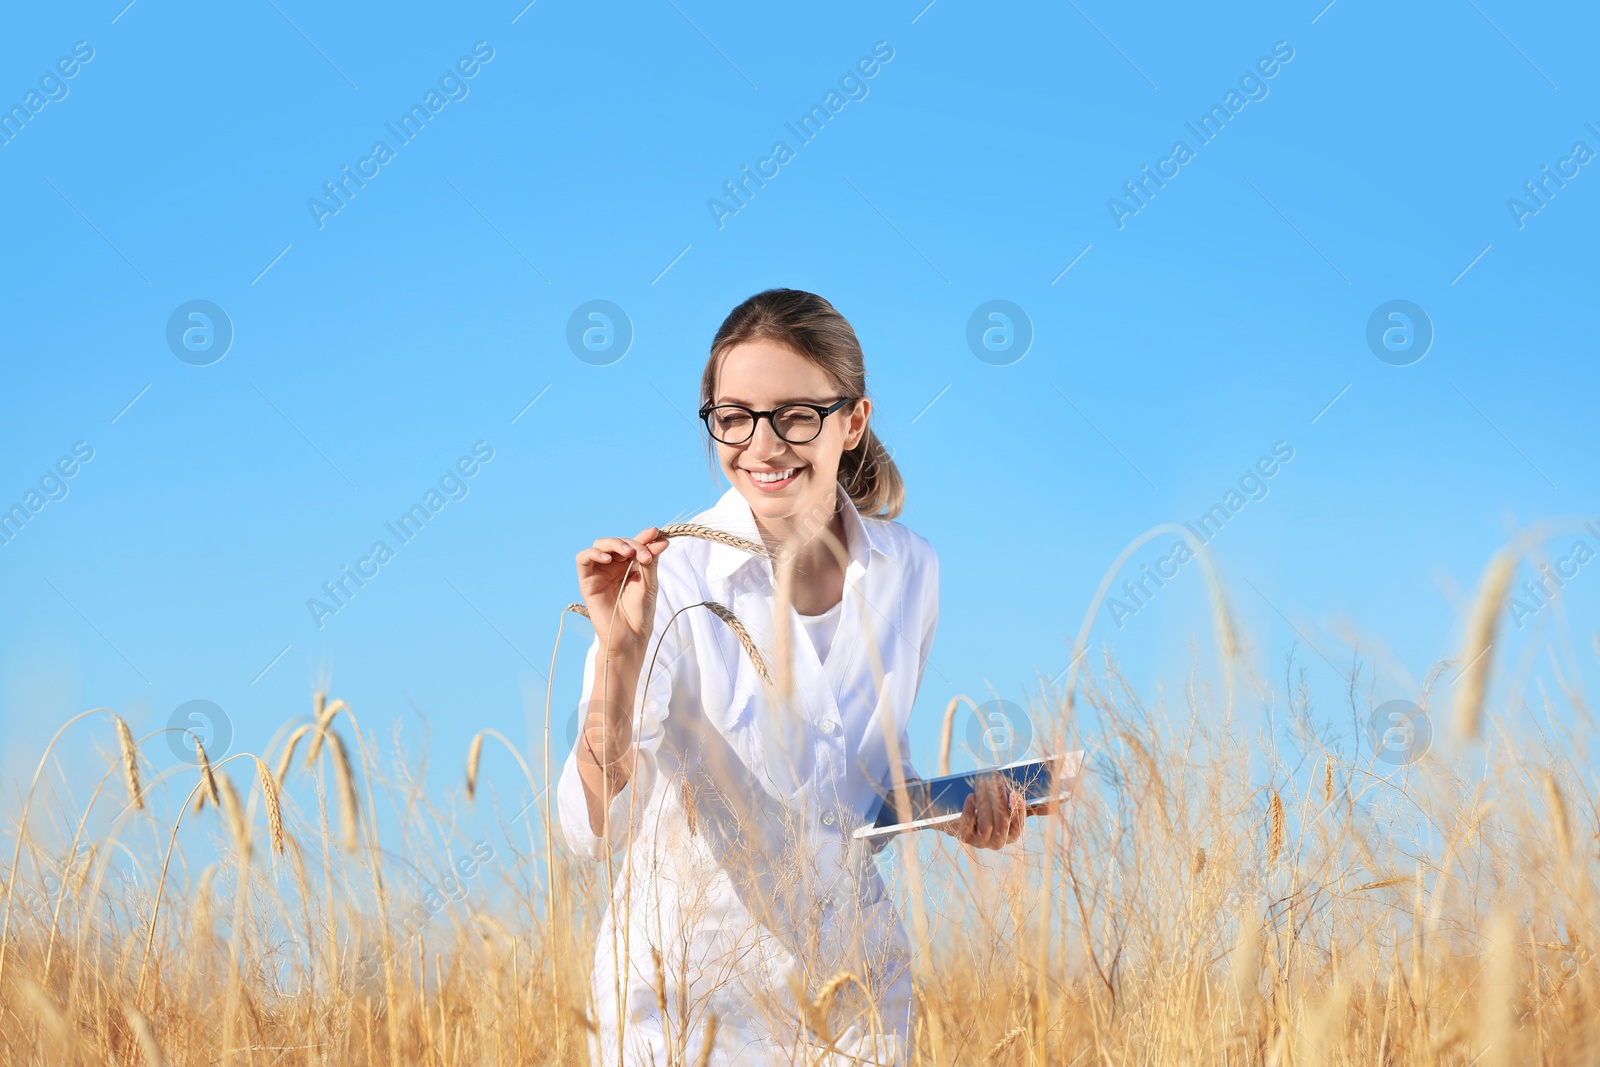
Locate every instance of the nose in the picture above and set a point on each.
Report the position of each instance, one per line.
(764, 441)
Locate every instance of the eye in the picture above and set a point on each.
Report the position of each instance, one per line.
(798, 423)
(731, 421)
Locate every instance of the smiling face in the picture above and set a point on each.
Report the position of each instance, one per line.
(783, 482)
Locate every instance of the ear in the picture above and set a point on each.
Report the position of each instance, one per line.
(856, 424)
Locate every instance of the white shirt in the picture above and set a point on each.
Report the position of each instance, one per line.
(729, 848)
(821, 628)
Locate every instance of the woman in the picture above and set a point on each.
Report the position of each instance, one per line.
(721, 804)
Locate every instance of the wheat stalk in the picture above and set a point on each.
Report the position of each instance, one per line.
(130, 763)
(578, 609)
(690, 815)
(1327, 779)
(207, 779)
(286, 758)
(1480, 636)
(269, 790)
(233, 813)
(346, 781)
(710, 1040)
(1560, 825)
(202, 904)
(324, 717)
(474, 757)
(1384, 883)
(1007, 1041)
(706, 533)
(1275, 829)
(1197, 864)
(745, 640)
(148, 1048)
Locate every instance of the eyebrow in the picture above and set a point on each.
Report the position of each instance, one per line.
(798, 400)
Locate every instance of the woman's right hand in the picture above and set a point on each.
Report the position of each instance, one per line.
(617, 579)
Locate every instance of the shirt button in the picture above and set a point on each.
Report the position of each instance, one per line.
(829, 727)
(829, 818)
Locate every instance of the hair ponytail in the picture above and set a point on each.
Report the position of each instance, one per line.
(871, 479)
(809, 325)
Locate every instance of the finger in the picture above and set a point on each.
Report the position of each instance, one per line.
(1019, 816)
(968, 825)
(986, 813)
(593, 557)
(614, 545)
(641, 551)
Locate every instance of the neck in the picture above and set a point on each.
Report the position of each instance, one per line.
(815, 549)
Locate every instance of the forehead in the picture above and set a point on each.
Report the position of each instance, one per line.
(767, 372)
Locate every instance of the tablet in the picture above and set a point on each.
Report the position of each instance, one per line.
(937, 801)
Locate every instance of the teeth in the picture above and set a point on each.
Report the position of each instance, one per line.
(771, 476)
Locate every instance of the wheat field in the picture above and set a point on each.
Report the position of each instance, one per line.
(1220, 893)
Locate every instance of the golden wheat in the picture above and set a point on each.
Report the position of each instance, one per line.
(706, 533)
(345, 780)
(269, 793)
(233, 815)
(745, 640)
(1274, 828)
(208, 780)
(474, 757)
(286, 757)
(1167, 922)
(130, 763)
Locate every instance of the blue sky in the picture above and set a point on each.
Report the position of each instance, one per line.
(1177, 337)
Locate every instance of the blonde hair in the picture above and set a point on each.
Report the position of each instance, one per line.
(811, 327)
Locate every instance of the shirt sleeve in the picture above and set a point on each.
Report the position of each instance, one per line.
(930, 623)
(651, 705)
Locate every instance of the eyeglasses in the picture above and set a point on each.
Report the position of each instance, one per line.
(734, 424)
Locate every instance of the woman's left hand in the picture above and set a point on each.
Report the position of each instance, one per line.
(992, 817)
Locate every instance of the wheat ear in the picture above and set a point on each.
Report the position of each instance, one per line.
(745, 640)
(207, 778)
(324, 718)
(1480, 636)
(1275, 829)
(287, 758)
(130, 763)
(706, 533)
(474, 757)
(710, 1041)
(269, 790)
(233, 812)
(347, 792)
(148, 1048)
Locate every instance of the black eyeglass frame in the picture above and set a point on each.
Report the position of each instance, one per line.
(823, 411)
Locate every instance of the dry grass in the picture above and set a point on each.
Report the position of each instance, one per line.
(1224, 896)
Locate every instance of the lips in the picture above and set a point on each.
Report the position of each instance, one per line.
(772, 479)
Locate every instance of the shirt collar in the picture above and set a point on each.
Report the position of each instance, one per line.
(732, 514)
